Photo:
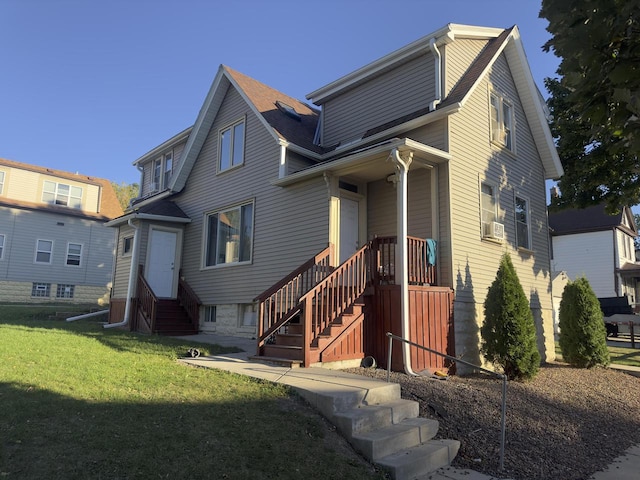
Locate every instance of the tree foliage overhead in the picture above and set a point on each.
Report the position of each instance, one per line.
(125, 192)
(596, 100)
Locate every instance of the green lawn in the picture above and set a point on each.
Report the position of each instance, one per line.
(82, 402)
(621, 355)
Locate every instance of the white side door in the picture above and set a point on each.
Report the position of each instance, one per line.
(161, 270)
(349, 227)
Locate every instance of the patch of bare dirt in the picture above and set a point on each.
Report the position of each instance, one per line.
(565, 424)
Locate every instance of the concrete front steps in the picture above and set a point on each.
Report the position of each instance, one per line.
(386, 429)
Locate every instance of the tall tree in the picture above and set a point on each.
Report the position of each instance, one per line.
(125, 192)
(596, 100)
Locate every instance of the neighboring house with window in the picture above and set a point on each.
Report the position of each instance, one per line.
(411, 175)
(591, 243)
(54, 246)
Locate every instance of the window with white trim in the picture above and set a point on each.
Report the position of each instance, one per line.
(488, 206)
(168, 169)
(523, 223)
(44, 251)
(127, 246)
(210, 314)
(157, 169)
(228, 236)
(1, 182)
(61, 194)
(65, 291)
(74, 254)
(2, 237)
(231, 151)
(501, 121)
(40, 290)
(161, 172)
(248, 314)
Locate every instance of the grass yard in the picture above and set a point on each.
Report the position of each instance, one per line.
(81, 402)
(621, 354)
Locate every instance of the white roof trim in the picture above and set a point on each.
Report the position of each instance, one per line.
(145, 216)
(152, 154)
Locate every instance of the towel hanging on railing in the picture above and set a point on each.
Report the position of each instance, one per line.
(431, 251)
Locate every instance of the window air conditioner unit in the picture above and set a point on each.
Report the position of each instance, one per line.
(494, 230)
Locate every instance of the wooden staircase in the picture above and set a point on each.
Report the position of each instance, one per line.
(173, 319)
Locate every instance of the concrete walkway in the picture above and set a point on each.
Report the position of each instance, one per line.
(314, 383)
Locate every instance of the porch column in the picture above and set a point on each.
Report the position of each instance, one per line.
(402, 256)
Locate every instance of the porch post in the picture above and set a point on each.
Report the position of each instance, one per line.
(402, 255)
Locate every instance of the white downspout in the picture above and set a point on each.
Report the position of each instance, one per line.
(133, 272)
(438, 74)
(402, 170)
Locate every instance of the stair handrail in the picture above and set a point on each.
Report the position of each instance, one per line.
(147, 300)
(330, 298)
(503, 412)
(189, 300)
(419, 271)
(279, 302)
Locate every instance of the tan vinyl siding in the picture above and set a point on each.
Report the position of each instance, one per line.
(475, 261)
(458, 56)
(296, 162)
(123, 264)
(391, 95)
(290, 224)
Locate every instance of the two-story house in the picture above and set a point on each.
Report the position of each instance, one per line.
(54, 246)
(593, 244)
(386, 206)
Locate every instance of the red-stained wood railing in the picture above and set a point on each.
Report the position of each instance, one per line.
(147, 301)
(329, 299)
(280, 302)
(383, 254)
(189, 301)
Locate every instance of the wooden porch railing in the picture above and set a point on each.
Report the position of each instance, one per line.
(383, 253)
(147, 301)
(189, 301)
(329, 299)
(280, 302)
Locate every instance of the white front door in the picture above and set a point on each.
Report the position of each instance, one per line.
(160, 270)
(349, 230)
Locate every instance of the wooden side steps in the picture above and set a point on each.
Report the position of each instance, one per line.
(172, 319)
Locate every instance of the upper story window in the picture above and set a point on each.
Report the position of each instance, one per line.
(44, 250)
(501, 121)
(488, 205)
(127, 246)
(229, 236)
(1, 182)
(231, 146)
(74, 254)
(161, 172)
(523, 223)
(61, 194)
(2, 237)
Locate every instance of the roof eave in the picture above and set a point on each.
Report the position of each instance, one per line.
(146, 216)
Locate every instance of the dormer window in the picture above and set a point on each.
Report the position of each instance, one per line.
(162, 172)
(62, 194)
(501, 121)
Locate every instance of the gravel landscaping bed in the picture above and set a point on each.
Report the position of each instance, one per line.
(566, 424)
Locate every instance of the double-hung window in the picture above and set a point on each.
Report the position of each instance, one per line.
(488, 207)
(1, 182)
(168, 169)
(523, 229)
(501, 121)
(229, 236)
(74, 254)
(44, 250)
(61, 194)
(2, 237)
(231, 146)
(161, 171)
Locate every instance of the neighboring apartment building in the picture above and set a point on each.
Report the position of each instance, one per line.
(444, 142)
(54, 246)
(591, 243)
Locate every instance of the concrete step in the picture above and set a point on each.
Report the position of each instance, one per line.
(366, 418)
(283, 351)
(407, 434)
(417, 461)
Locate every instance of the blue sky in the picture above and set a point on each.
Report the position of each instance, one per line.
(89, 86)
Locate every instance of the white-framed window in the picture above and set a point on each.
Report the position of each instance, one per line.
(228, 235)
(161, 172)
(209, 314)
(61, 194)
(44, 251)
(501, 113)
(2, 241)
(40, 289)
(74, 254)
(248, 315)
(1, 182)
(168, 169)
(523, 223)
(231, 141)
(65, 291)
(488, 206)
(127, 246)
(157, 171)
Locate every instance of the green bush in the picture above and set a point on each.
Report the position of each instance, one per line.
(508, 331)
(583, 336)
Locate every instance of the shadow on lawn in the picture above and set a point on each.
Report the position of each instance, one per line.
(46, 435)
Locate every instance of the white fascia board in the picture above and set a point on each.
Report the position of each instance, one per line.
(164, 146)
(443, 36)
(402, 144)
(145, 216)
